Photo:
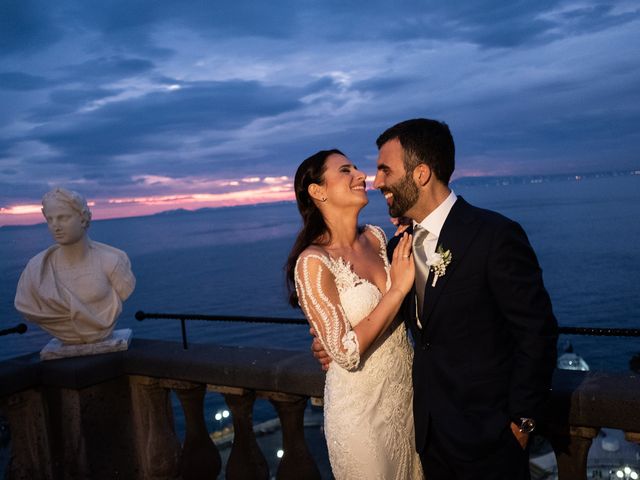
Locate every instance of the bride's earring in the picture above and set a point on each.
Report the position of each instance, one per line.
(315, 192)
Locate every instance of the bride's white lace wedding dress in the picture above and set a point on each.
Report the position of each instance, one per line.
(367, 400)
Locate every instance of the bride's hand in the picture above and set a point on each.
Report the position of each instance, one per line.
(403, 270)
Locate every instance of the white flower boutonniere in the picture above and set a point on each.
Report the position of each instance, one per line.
(438, 263)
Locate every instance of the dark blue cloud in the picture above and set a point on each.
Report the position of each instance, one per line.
(26, 26)
(156, 121)
(22, 81)
(105, 69)
(488, 23)
(22, 192)
(67, 101)
(595, 17)
(269, 19)
(79, 96)
(385, 85)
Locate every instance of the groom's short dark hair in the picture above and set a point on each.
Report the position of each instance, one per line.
(424, 141)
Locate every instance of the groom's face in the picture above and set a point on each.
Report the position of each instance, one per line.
(395, 183)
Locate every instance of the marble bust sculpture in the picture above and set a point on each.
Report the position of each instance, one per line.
(74, 289)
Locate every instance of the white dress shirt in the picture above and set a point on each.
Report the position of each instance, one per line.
(434, 221)
(433, 224)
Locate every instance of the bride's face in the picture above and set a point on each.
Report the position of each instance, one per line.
(344, 184)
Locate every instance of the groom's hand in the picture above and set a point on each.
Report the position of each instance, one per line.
(401, 224)
(319, 352)
(523, 438)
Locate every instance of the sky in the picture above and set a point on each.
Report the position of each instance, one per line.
(144, 106)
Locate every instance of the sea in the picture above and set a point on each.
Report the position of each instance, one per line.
(585, 230)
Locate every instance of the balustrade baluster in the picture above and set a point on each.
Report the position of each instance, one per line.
(571, 446)
(200, 456)
(157, 444)
(297, 462)
(246, 460)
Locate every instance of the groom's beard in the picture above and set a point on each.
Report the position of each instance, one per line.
(405, 195)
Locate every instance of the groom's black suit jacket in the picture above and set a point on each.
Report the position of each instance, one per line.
(487, 347)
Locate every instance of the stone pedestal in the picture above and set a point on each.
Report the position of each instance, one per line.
(30, 443)
(91, 432)
(119, 340)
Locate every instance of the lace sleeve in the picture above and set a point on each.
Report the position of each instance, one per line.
(319, 299)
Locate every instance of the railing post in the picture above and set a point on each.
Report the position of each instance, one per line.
(246, 460)
(297, 462)
(200, 456)
(157, 444)
(90, 429)
(30, 444)
(70, 452)
(571, 446)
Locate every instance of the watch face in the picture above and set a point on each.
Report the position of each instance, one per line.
(527, 425)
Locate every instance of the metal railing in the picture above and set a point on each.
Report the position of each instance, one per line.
(183, 317)
(19, 329)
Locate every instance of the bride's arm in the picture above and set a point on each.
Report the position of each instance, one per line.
(320, 302)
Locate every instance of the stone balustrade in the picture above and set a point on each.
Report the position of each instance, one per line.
(110, 416)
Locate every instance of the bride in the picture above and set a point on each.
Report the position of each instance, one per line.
(338, 273)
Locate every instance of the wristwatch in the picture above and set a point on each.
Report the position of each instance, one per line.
(526, 425)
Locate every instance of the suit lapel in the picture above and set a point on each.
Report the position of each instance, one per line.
(409, 312)
(456, 235)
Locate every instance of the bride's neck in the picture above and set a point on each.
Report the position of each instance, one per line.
(343, 230)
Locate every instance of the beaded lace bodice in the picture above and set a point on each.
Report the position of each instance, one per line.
(335, 299)
(367, 412)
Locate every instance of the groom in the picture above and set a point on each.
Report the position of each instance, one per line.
(484, 331)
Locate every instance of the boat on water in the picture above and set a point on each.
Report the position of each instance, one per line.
(570, 360)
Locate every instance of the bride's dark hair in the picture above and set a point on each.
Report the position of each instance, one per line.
(313, 225)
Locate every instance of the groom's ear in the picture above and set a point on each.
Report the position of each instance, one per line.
(422, 174)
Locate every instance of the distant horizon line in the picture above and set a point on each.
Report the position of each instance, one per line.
(469, 180)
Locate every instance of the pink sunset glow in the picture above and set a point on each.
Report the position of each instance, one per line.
(256, 190)
(148, 205)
